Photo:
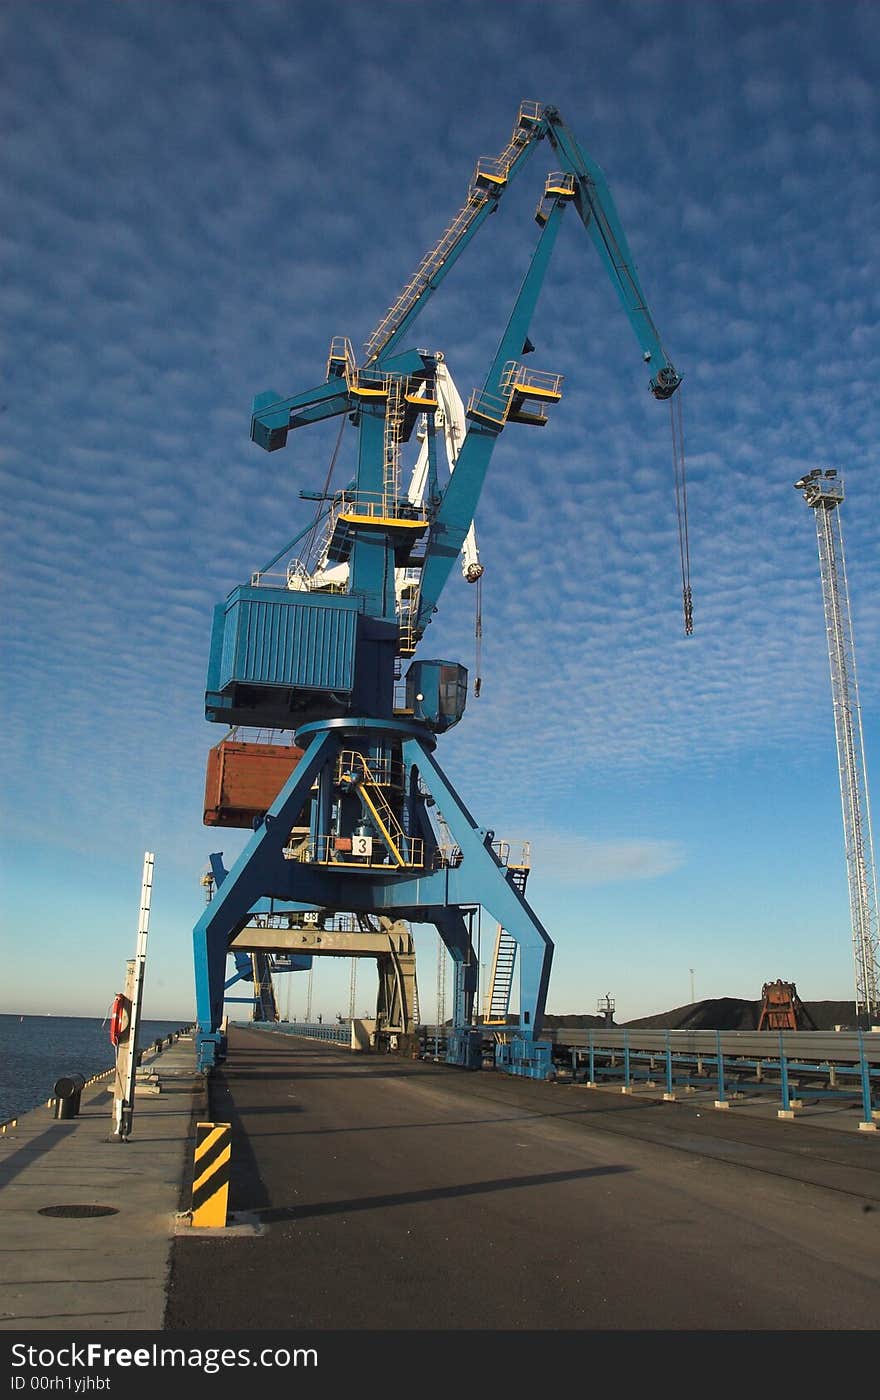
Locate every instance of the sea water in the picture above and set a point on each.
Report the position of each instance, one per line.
(37, 1050)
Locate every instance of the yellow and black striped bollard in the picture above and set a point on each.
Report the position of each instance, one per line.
(211, 1175)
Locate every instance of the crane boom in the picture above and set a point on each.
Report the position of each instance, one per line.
(489, 411)
(598, 214)
(509, 391)
(600, 218)
(489, 181)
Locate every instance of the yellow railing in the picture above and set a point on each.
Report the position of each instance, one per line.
(366, 383)
(296, 578)
(264, 579)
(341, 851)
(559, 183)
(371, 778)
(427, 268)
(529, 112)
(366, 505)
(494, 407)
(515, 855)
(341, 355)
(407, 639)
(522, 853)
(494, 169)
(517, 379)
(384, 772)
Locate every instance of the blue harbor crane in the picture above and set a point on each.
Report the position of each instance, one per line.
(331, 656)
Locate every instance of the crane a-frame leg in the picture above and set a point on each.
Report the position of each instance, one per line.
(258, 870)
(480, 879)
(434, 888)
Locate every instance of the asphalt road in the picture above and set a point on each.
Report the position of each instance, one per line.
(407, 1195)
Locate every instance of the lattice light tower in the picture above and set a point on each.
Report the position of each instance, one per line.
(823, 492)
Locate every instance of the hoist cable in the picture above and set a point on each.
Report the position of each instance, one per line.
(680, 478)
(478, 640)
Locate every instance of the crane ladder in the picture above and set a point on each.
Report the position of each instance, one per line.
(409, 608)
(394, 418)
(519, 874)
(488, 180)
(416, 1011)
(497, 1004)
(408, 611)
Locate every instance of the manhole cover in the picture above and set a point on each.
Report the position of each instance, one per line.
(77, 1212)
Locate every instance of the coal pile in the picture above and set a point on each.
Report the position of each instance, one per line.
(716, 1014)
(719, 1014)
(580, 1022)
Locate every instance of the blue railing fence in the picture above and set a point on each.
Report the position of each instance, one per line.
(339, 1032)
(829, 1065)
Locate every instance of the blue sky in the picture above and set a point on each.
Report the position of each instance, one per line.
(196, 198)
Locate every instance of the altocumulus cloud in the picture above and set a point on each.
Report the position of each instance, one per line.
(575, 860)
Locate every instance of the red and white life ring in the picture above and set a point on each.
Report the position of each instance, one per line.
(120, 1015)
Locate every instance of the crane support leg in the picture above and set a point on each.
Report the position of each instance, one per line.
(481, 880)
(463, 1043)
(253, 875)
(456, 934)
(395, 1000)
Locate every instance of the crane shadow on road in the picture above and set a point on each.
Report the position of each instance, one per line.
(275, 1214)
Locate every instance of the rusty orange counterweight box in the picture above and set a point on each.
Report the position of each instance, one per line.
(243, 780)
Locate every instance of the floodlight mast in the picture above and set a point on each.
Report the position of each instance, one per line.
(823, 492)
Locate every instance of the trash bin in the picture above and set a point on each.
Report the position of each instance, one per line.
(68, 1090)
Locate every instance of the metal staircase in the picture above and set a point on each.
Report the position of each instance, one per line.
(497, 1004)
(496, 1010)
(519, 874)
(355, 770)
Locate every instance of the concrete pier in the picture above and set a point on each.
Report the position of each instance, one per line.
(374, 1193)
(80, 1271)
(399, 1194)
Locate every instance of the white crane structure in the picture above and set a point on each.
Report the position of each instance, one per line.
(823, 492)
(448, 416)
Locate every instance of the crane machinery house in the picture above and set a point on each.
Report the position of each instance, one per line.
(366, 826)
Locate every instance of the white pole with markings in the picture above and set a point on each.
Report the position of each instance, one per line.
(126, 1057)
